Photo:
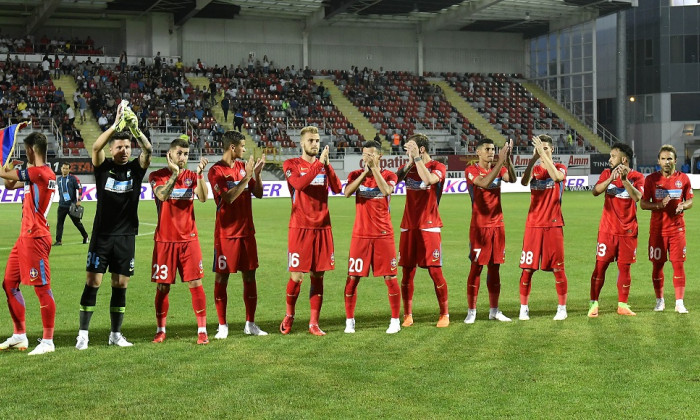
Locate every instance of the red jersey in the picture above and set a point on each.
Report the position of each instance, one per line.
(39, 188)
(372, 217)
(176, 214)
(486, 202)
(656, 187)
(308, 185)
(545, 198)
(421, 211)
(620, 210)
(233, 220)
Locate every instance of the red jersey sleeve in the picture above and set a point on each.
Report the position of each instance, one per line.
(295, 178)
(333, 181)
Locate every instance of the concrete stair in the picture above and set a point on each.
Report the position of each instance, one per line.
(350, 111)
(89, 130)
(464, 108)
(567, 116)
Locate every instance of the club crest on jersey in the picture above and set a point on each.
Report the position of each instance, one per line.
(679, 184)
(394, 264)
(131, 264)
(153, 184)
(128, 173)
(333, 258)
(188, 182)
(201, 267)
(436, 254)
(216, 187)
(33, 273)
(242, 172)
(288, 173)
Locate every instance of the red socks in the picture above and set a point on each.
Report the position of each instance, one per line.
(15, 304)
(678, 278)
(598, 278)
(624, 280)
(162, 304)
(657, 278)
(493, 283)
(292, 295)
(250, 299)
(220, 301)
(473, 282)
(47, 306)
(350, 296)
(561, 285)
(407, 289)
(394, 296)
(199, 305)
(315, 299)
(440, 288)
(525, 286)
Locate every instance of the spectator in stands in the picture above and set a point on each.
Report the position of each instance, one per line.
(238, 120)
(71, 114)
(225, 106)
(122, 61)
(103, 122)
(396, 143)
(46, 67)
(157, 62)
(82, 106)
(266, 65)
(56, 67)
(251, 63)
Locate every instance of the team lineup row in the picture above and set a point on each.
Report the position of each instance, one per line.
(234, 182)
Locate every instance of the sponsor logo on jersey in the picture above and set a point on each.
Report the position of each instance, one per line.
(33, 274)
(661, 193)
(369, 192)
(182, 194)
(232, 184)
(320, 179)
(541, 184)
(119, 187)
(415, 184)
(617, 192)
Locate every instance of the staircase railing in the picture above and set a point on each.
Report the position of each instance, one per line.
(565, 100)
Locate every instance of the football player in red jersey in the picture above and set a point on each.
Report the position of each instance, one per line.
(617, 233)
(543, 242)
(667, 193)
(420, 243)
(176, 246)
(372, 241)
(487, 239)
(28, 262)
(235, 182)
(310, 240)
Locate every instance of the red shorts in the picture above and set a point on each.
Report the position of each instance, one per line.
(420, 248)
(310, 250)
(487, 245)
(543, 248)
(615, 247)
(232, 255)
(29, 261)
(185, 257)
(666, 248)
(380, 253)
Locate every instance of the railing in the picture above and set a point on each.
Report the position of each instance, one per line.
(573, 107)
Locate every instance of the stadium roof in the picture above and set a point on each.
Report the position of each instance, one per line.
(529, 17)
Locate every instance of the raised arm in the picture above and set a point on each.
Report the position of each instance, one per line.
(485, 181)
(384, 186)
(633, 192)
(257, 170)
(423, 172)
(527, 175)
(98, 153)
(601, 187)
(231, 195)
(351, 187)
(202, 191)
(162, 192)
(333, 181)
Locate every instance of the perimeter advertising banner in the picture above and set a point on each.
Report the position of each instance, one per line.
(275, 189)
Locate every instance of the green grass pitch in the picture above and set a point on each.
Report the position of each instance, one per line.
(643, 367)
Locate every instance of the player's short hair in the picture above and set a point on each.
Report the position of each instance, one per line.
(120, 135)
(483, 142)
(625, 149)
(311, 129)
(547, 139)
(64, 163)
(37, 142)
(231, 138)
(372, 143)
(668, 148)
(179, 142)
(420, 139)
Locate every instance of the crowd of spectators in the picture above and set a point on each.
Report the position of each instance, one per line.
(45, 45)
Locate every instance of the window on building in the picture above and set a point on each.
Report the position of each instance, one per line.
(648, 106)
(676, 49)
(691, 48)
